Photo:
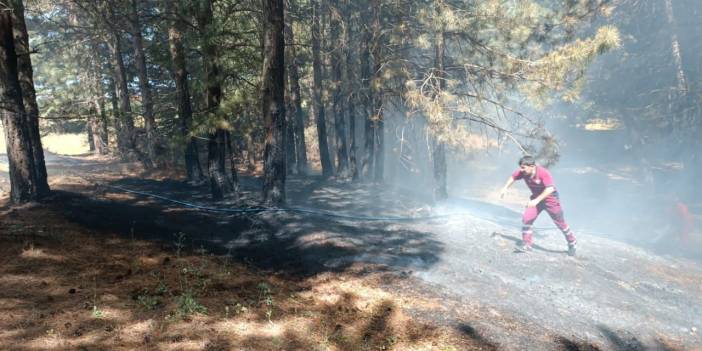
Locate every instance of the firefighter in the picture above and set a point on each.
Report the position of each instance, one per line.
(543, 197)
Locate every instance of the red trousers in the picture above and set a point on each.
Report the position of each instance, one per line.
(553, 207)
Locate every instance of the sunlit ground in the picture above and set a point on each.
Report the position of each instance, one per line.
(66, 144)
(61, 144)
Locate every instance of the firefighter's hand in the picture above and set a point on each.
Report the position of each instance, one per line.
(532, 203)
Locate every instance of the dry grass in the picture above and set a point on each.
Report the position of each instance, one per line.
(62, 287)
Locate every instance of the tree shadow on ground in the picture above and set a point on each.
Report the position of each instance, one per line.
(288, 242)
(570, 345)
(627, 341)
(80, 288)
(353, 198)
(472, 333)
(619, 341)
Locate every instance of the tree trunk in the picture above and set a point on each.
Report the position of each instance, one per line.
(377, 97)
(232, 162)
(379, 133)
(98, 127)
(26, 79)
(92, 116)
(338, 51)
(185, 110)
(366, 101)
(97, 123)
(350, 90)
(273, 102)
(439, 161)
(439, 146)
(679, 98)
(221, 184)
(88, 127)
(290, 152)
(318, 106)
(22, 171)
(221, 179)
(114, 102)
(146, 101)
(675, 46)
(327, 96)
(126, 139)
(296, 101)
(250, 154)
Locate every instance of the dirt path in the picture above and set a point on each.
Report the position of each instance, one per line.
(611, 296)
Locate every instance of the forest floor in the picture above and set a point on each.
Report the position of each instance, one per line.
(99, 268)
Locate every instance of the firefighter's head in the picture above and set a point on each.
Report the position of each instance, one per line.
(527, 165)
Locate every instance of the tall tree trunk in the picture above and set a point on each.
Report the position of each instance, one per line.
(185, 110)
(97, 123)
(23, 176)
(221, 179)
(273, 102)
(439, 162)
(379, 133)
(221, 182)
(377, 97)
(353, 163)
(250, 153)
(327, 96)
(679, 99)
(290, 152)
(366, 101)
(338, 52)
(675, 46)
(26, 79)
(98, 126)
(103, 125)
(126, 139)
(296, 101)
(114, 102)
(232, 162)
(146, 101)
(439, 146)
(88, 127)
(351, 93)
(318, 105)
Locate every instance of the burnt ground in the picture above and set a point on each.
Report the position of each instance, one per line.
(612, 296)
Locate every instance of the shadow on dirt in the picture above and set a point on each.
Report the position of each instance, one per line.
(470, 332)
(617, 341)
(614, 341)
(286, 242)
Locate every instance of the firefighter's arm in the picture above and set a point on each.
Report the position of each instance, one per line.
(509, 183)
(548, 191)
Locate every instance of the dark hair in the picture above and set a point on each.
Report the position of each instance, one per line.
(527, 160)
